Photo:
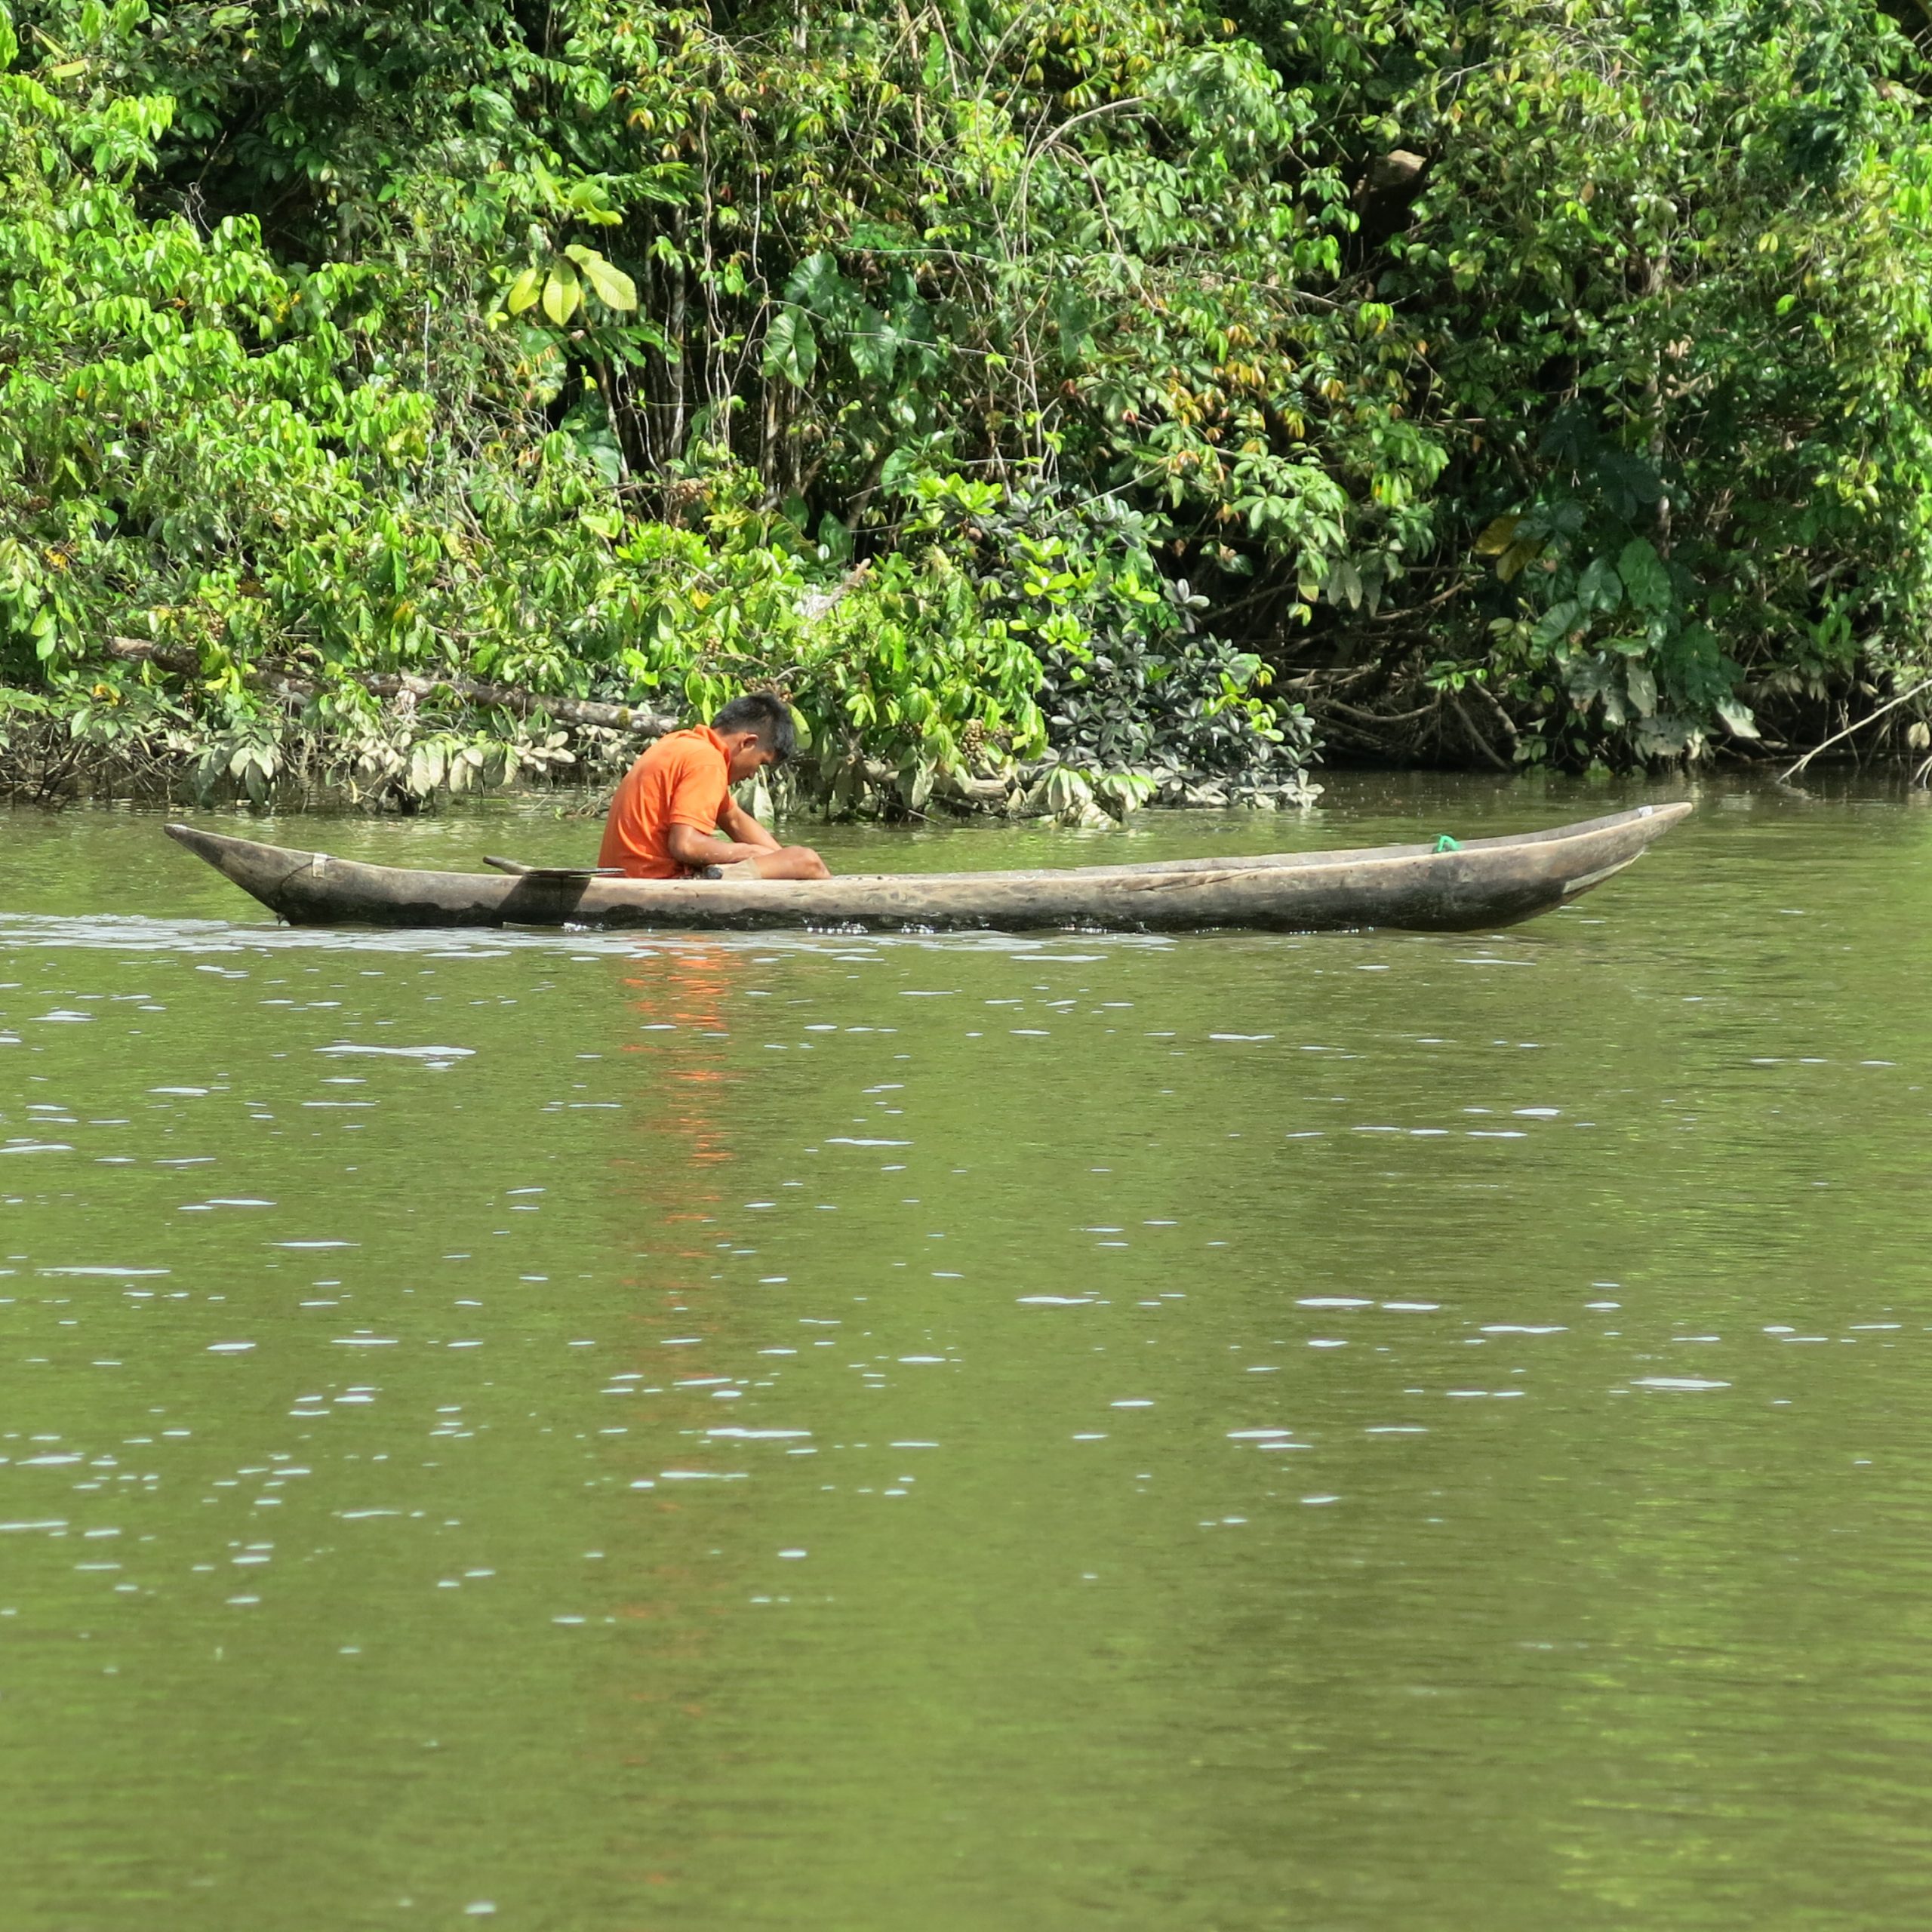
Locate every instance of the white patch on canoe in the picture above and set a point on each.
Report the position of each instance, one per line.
(1596, 878)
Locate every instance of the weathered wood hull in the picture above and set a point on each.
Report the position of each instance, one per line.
(1487, 883)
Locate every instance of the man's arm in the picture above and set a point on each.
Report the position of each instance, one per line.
(749, 839)
(738, 825)
(690, 847)
(688, 839)
(697, 850)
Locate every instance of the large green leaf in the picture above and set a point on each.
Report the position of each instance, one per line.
(1600, 588)
(1737, 718)
(791, 348)
(1646, 581)
(613, 287)
(562, 292)
(1556, 621)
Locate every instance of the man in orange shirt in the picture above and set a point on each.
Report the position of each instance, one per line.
(676, 796)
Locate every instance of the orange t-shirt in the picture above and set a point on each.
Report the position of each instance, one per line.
(683, 779)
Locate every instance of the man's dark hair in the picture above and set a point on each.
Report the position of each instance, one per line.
(769, 716)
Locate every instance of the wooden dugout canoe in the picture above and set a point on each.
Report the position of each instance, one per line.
(1485, 883)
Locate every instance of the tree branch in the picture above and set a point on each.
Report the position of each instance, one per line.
(1792, 770)
(398, 684)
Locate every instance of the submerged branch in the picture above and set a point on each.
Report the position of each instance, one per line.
(1838, 737)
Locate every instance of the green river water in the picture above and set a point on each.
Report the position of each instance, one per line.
(847, 1434)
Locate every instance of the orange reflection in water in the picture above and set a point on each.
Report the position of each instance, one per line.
(682, 1004)
(683, 1094)
(679, 1005)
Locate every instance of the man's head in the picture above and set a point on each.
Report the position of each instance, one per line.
(756, 730)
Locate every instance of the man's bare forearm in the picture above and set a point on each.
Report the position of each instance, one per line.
(696, 849)
(741, 828)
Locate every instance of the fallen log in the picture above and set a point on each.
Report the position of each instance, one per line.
(299, 690)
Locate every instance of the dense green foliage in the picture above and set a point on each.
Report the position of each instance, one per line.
(1674, 265)
(1537, 379)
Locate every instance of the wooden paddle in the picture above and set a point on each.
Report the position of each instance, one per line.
(553, 872)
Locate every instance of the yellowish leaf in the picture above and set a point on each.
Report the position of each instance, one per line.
(613, 287)
(1497, 537)
(1517, 557)
(561, 292)
(523, 290)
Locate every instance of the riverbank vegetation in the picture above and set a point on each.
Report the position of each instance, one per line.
(1065, 405)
